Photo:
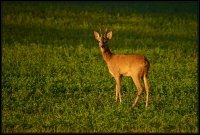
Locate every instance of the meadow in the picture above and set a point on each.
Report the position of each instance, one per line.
(54, 78)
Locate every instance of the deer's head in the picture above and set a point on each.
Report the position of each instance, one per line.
(103, 39)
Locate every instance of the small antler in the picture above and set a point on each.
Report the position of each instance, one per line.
(106, 30)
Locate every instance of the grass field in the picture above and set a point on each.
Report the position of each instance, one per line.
(54, 79)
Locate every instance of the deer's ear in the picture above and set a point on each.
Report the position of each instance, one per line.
(96, 35)
(109, 35)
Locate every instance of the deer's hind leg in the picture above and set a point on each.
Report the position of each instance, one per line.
(146, 84)
(136, 80)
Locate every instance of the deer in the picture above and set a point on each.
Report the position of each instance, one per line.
(134, 65)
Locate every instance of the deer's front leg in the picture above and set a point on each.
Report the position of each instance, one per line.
(118, 92)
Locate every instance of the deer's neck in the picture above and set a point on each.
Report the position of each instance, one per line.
(107, 54)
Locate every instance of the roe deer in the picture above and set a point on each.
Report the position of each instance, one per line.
(119, 65)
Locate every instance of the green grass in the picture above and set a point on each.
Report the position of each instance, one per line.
(54, 78)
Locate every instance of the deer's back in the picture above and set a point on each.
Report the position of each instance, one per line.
(127, 65)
